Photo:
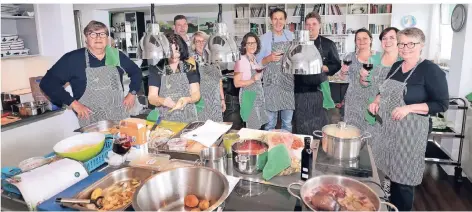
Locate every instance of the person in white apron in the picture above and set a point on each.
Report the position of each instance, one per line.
(413, 90)
(212, 102)
(174, 84)
(278, 86)
(246, 77)
(95, 74)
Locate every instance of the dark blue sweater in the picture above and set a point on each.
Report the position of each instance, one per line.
(71, 68)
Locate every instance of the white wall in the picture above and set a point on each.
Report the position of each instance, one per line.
(54, 42)
(422, 13)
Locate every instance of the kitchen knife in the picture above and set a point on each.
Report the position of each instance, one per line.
(378, 119)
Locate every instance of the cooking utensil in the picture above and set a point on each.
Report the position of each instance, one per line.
(378, 119)
(315, 182)
(94, 142)
(119, 175)
(247, 163)
(158, 121)
(98, 202)
(215, 158)
(341, 141)
(31, 108)
(166, 191)
(101, 126)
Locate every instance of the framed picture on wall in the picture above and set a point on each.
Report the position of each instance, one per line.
(206, 24)
(192, 24)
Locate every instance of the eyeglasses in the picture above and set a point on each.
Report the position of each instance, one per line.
(410, 45)
(100, 34)
(251, 44)
(199, 41)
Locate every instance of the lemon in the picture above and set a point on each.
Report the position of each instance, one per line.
(96, 193)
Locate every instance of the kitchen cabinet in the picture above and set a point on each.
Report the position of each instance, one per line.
(22, 23)
(127, 29)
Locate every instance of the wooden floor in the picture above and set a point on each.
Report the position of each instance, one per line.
(439, 192)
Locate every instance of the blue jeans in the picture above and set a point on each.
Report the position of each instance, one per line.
(286, 116)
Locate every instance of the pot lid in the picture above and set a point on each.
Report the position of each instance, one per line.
(342, 130)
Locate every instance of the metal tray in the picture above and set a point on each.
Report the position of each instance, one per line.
(164, 148)
(122, 174)
(100, 126)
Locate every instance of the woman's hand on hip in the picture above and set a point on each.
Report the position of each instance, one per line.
(129, 101)
(83, 112)
(400, 112)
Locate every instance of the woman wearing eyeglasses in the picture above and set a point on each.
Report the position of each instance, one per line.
(95, 74)
(414, 89)
(212, 102)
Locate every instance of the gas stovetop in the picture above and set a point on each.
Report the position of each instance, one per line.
(360, 167)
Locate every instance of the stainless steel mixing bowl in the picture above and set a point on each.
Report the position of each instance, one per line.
(166, 191)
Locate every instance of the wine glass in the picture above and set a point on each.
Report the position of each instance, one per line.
(260, 68)
(368, 66)
(121, 144)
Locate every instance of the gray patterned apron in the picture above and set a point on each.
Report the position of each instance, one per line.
(258, 116)
(399, 147)
(103, 94)
(357, 96)
(176, 86)
(210, 77)
(278, 86)
(309, 103)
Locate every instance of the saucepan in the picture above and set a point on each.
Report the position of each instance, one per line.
(215, 158)
(311, 193)
(342, 141)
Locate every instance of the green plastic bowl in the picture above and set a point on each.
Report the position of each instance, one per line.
(96, 140)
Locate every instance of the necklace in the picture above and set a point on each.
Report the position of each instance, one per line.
(91, 53)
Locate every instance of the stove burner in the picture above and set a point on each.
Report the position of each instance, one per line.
(357, 167)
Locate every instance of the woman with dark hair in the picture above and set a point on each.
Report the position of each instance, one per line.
(174, 83)
(355, 99)
(246, 77)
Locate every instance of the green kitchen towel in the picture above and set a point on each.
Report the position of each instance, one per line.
(153, 115)
(248, 98)
(328, 102)
(112, 56)
(278, 160)
(369, 117)
(200, 105)
(469, 97)
(262, 161)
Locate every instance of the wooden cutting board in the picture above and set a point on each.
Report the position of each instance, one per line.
(9, 119)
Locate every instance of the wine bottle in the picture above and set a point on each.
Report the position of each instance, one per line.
(307, 160)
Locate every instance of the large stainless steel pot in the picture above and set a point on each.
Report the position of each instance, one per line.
(307, 188)
(341, 141)
(31, 108)
(244, 162)
(166, 191)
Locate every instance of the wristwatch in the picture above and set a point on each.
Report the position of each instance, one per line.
(133, 92)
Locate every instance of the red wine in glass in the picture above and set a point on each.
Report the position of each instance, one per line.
(260, 69)
(347, 62)
(121, 145)
(368, 67)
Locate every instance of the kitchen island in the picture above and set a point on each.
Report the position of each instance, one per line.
(251, 193)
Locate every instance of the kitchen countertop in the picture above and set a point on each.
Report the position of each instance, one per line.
(269, 196)
(32, 119)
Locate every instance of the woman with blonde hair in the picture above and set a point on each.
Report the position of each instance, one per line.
(212, 103)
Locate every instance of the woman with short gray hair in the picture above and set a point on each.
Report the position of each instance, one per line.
(414, 89)
(95, 74)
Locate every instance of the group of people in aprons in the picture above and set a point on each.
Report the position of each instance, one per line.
(392, 101)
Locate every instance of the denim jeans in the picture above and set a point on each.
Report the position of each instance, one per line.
(285, 115)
